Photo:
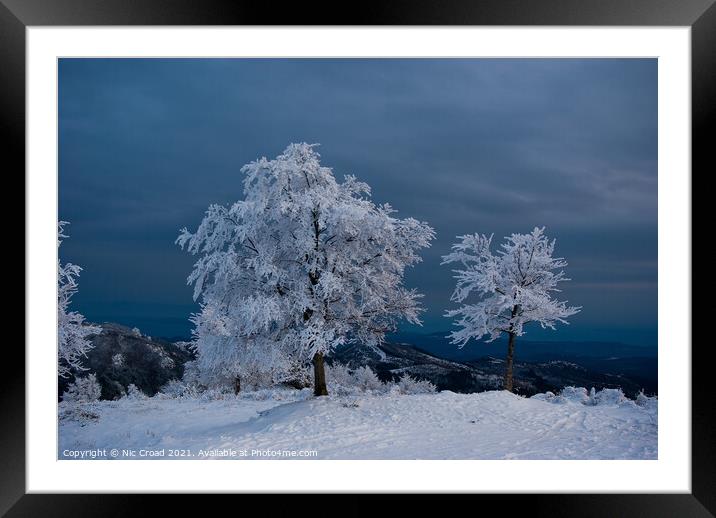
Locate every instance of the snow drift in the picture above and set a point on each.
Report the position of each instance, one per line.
(489, 425)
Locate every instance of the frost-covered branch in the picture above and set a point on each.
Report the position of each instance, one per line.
(72, 331)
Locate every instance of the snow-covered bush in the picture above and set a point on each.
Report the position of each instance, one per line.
(549, 397)
(566, 395)
(576, 394)
(409, 385)
(84, 390)
(134, 393)
(338, 375)
(344, 381)
(644, 401)
(297, 376)
(591, 398)
(609, 397)
(366, 380)
(189, 386)
(172, 389)
(176, 389)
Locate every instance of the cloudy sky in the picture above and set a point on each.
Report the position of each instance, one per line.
(484, 145)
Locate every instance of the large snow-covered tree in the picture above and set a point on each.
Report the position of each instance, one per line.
(514, 287)
(72, 332)
(302, 264)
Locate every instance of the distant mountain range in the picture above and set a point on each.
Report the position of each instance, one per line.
(122, 356)
(439, 345)
(637, 364)
(486, 372)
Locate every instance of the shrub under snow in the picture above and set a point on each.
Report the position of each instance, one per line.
(409, 385)
(576, 394)
(84, 390)
(366, 380)
(135, 393)
(343, 381)
(604, 397)
(175, 389)
(608, 396)
(573, 394)
(648, 402)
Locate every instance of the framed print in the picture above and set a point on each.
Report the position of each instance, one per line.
(426, 250)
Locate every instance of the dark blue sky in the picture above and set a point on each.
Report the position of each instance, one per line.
(469, 145)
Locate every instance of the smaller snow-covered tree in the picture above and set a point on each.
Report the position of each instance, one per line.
(72, 332)
(514, 287)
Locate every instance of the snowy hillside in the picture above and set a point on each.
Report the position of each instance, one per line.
(445, 425)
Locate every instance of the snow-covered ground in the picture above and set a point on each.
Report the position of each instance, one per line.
(445, 425)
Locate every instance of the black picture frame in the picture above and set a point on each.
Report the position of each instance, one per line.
(700, 15)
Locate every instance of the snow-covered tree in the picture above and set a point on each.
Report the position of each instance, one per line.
(83, 390)
(300, 265)
(513, 286)
(72, 332)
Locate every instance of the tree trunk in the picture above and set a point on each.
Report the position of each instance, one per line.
(508, 366)
(237, 385)
(319, 376)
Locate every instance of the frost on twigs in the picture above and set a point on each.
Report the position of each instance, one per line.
(72, 331)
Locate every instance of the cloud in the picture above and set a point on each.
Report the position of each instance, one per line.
(469, 145)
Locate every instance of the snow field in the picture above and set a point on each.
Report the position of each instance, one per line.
(445, 425)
